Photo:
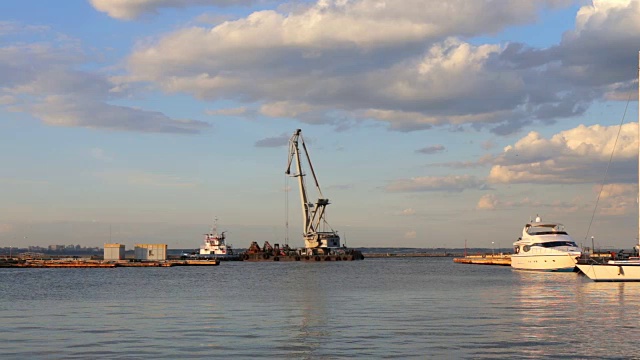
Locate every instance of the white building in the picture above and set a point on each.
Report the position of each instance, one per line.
(114, 251)
(150, 251)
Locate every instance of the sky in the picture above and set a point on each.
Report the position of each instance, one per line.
(429, 123)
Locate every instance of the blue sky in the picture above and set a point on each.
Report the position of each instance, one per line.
(429, 123)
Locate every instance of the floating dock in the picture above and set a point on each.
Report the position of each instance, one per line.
(502, 260)
(102, 264)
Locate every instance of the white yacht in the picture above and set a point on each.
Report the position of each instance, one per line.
(545, 246)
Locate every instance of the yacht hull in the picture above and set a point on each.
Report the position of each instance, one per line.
(611, 272)
(550, 262)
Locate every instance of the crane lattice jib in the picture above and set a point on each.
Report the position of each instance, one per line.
(313, 215)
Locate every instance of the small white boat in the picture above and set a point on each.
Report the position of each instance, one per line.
(214, 244)
(545, 246)
(618, 270)
(613, 270)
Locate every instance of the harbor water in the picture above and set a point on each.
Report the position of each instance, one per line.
(376, 308)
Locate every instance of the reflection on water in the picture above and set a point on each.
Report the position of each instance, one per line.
(610, 311)
(547, 306)
(567, 315)
(399, 308)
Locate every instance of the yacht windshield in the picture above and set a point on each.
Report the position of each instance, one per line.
(551, 244)
(547, 230)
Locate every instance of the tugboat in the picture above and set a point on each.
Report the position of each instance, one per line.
(214, 246)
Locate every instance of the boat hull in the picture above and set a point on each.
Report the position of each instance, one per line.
(611, 272)
(550, 262)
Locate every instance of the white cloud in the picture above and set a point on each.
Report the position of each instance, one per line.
(274, 141)
(408, 212)
(6, 228)
(132, 9)
(578, 155)
(100, 154)
(493, 202)
(411, 73)
(411, 234)
(595, 54)
(285, 109)
(487, 202)
(433, 149)
(67, 111)
(7, 100)
(453, 183)
(227, 112)
(12, 28)
(617, 199)
(342, 61)
(51, 87)
(488, 145)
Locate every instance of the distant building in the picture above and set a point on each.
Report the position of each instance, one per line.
(150, 251)
(114, 251)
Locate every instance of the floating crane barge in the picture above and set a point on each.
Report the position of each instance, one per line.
(275, 253)
(322, 243)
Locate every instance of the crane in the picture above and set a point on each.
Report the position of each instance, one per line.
(313, 215)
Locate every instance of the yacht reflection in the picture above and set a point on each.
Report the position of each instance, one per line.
(625, 294)
(543, 294)
(552, 305)
(545, 305)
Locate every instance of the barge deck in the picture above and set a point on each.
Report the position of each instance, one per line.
(102, 264)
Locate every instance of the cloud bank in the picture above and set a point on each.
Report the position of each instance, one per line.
(132, 9)
(52, 87)
(576, 156)
(338, 61)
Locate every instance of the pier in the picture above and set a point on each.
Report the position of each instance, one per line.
(502, 260)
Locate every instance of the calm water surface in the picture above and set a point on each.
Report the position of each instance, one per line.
(376, 308)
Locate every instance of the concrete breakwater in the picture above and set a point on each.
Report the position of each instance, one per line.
(389, 254)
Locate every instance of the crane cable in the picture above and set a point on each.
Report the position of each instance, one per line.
(606, 173)
(286, 209)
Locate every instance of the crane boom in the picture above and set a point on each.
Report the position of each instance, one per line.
(313, 215)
